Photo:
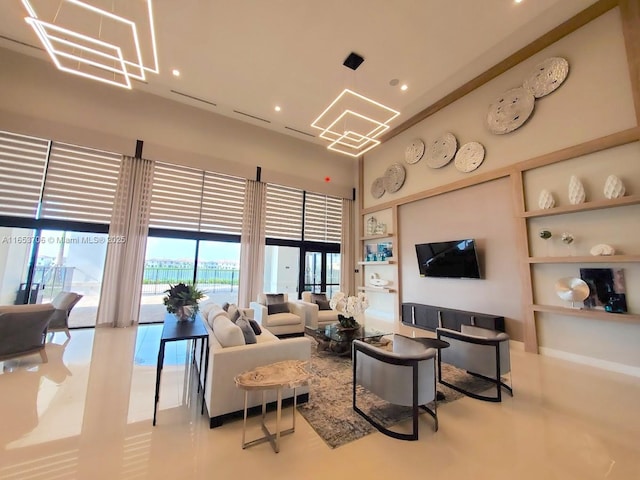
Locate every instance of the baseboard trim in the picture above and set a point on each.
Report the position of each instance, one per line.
(592, 362)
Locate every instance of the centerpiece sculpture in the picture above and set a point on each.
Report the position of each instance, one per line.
(349, 308)
(182, 300)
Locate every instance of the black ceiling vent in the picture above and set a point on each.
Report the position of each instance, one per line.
(353, 61)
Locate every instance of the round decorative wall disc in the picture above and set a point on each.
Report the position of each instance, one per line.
(469, 157)
(572, 289)
(377, 187)
(510, 110)
(441, 150)
(547, 76)
(394, 178)
(414, 151)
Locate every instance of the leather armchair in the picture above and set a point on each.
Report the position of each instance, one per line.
(63, 303)
(405, 376)
(283, 323)
(23, 329)
(481, 352)
(314, 317)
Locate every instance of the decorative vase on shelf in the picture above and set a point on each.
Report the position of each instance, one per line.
(613, 187)
(576, 191)
(546, 200)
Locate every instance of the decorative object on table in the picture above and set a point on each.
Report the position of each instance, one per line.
(602, 249)
(510, 110)
(613, 187)
(547, 76)
(606, 289)
(572, 289)
(414, 151)
(546, 200)
(377, 187)
(182, 300)
(394, 178)
(441, 150)
(376, 281)
(372, 225)
(349, 308)
(469, 157)
(576, 191)
(380, 229)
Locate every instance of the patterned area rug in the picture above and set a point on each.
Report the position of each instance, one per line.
(329, 409)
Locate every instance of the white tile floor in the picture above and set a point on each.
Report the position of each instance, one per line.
(87, 415)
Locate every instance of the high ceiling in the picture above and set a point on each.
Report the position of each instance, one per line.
(251, 55)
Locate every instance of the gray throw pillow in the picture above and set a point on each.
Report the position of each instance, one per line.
(247, 331)
(277, 308)
(316, 297)
(255, 326)
(233, 312)
(323, 304)
(274, 298)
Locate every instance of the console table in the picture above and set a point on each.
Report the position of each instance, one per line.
(173, 331)
(429, 317)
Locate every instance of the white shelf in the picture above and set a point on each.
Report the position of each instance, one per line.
(584, 207)
(375, 237)
(587, 259)
(377, 289)
(586, 313)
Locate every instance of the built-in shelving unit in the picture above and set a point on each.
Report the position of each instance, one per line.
(581, 312)
(587, 259)
(377, 262)
(376, 289)
(584, 207)
(376, 237)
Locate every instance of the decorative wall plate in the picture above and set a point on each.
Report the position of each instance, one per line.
(469, 157)
(377, 187)
(394, 178)
(441, 150)
(414, 151)
(547, 76)
(510, 110)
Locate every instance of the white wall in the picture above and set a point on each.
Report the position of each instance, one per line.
(39, 100)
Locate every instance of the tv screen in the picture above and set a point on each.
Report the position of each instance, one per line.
(453, 259)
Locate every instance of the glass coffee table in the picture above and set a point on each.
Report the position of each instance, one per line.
(337, 340)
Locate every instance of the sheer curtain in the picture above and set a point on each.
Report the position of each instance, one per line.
(252, 243)
(124, 267)
(347, 266)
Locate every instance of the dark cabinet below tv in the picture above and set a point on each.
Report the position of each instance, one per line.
(429, 317)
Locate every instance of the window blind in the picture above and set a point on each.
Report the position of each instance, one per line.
(22, 164)
(283, 213)
(80, 184)
(222, 204)
(322, 218)
(176, 197)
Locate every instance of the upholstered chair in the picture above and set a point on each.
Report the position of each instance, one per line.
(63, 303)
(404, 376)
(481, 352)
(318, 313)
(23, 329)
(277, 314)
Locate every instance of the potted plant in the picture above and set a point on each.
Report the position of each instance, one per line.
(349, 308)
(182, 300)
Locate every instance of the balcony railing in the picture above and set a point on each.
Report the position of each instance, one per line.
(157, 279)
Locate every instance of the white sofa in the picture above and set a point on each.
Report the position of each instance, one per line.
(222, 398)
(314, 317)
(286, 323)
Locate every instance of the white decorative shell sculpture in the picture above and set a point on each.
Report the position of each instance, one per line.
(576, 191)
(613, 187)
(546, 200)
(376, 281)
(602, 250)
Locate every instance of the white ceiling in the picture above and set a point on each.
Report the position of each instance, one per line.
(249, 55)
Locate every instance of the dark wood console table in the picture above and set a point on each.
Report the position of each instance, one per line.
(429, 317)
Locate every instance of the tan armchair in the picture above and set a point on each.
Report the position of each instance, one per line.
(317, 313)
(23, 329)
(277, 314)
(63, 303)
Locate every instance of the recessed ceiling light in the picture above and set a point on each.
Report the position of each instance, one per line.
(277, 108)
(176, 72)
(404, 87)
(517, 1)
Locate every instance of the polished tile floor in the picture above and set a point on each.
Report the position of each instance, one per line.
(86, 415)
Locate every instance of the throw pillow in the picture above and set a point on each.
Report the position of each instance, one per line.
(274, 298)
(315, 297)
(233, 312)
(323, 304)
(277, 308)
(255, 326)
(247, 331)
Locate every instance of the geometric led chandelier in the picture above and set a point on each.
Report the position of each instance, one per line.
(352, 122)
(111, 41)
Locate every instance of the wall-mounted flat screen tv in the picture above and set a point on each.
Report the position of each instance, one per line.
(453, 259)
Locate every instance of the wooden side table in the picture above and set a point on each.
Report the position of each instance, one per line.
(276, 376)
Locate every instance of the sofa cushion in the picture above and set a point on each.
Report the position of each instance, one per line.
(228, 333)
(325, 316)
(323, 305)
(281, 319)
(215, 311)
(277, 308)
(247, 331)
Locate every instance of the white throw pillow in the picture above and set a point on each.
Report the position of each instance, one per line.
(228, 333)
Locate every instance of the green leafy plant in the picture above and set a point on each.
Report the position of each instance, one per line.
(182, 295)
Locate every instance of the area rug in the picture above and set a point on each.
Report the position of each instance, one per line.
(329, 409)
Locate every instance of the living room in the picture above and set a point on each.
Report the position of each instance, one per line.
(560, 420)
